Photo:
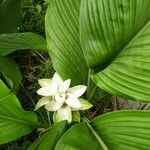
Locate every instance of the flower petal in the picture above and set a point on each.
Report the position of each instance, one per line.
(64, 86)
(84, 105)
(57, 79)
(44, 82)
(77, 91)
(59, 99)
(73, 101)
(64, 113)
(41, 102)
(53, 106)
(47, 90)
(44, 91)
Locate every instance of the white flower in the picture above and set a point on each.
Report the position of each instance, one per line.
(60, 98)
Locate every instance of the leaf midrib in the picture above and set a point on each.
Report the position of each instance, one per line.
(97, 136)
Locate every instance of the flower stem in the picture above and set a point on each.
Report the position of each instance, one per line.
(88, 83)
(28, 95)
(49, 120)
(92, 92)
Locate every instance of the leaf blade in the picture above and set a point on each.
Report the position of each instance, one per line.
(129, 74)
(118, 130)
(10, 70)
(62, 30)
(78, 139)
(14, 121)
(115, 39)
(11, 16)
(21, 41)
(124, 129)
(49, 139)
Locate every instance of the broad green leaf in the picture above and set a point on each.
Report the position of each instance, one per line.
(14, 121)
(78, 137)
(115, 37)
(10, 16)
(10, 71)
(120, 130)
(20, 41)
(49, 139)
(62, 30)
(124, 130)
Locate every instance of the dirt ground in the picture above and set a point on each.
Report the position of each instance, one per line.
(120, 103)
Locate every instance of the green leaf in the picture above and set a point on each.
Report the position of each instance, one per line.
(120, 130)
(62, 30)
(10, 71)
(20, 41)
(49, 139)
(10, 16)
(78, 137)
(115, 37)
(14, 121)
(124, 130)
